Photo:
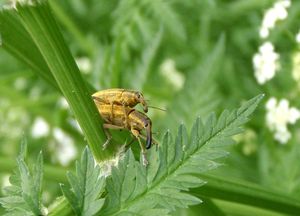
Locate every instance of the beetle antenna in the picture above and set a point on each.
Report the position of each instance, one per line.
(154, 107)
(161, 109)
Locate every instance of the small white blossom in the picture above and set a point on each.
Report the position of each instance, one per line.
(272, 15)
(169, 71)
(5, 181)
(298, 37)
(13, 121)
(63, 103)
(45, 210)
(278, 116)
(64, 147)
(40, 128)
(282, 136)
(248, 141)
(84, 64)
(265, 63)
(20, 83)
(296, 67)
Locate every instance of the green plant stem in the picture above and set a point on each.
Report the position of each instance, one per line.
(44, 31)
(61, 207)
(237, 209)
(243, 193)
(246, 193)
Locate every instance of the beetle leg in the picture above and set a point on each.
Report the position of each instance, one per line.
(145, 138)
(108, 134)
(137, 134)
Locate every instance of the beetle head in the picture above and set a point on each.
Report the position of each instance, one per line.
(140, 98)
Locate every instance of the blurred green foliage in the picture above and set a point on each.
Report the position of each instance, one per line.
(127, 44)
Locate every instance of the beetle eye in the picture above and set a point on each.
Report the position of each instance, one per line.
(146, 125)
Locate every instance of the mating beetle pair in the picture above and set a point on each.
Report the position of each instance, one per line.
(116, 108)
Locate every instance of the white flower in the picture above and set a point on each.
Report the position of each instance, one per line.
(169, 71)
(63, 103)
(20, 83)
(45, 210)
(296, 67)
(64, 147)
(84, 64)
(5, 181)
(278, 116)
(265, 63)
(298, 37)
(272, 15)
(13, 121)
(40, 128)
(282, 136)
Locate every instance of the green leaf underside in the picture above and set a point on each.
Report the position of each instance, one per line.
(23, 196)
(136, 190)
(86, 186)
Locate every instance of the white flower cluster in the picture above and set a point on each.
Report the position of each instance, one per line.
(265, 63)
(169, 71)
(64, 147)
(13, 121)
(272, 15)
(278, 116)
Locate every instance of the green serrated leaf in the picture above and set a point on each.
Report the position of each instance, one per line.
(18, 212)
(155, 212)
(86, 186)
(71, 198)
(94, 207)
(173, 168)
(23, 197)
